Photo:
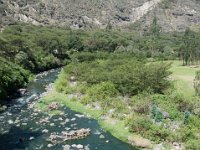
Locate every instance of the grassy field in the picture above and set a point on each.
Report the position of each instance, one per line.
(184, 77)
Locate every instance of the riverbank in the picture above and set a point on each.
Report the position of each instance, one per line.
(125, 117)
(116, 127)
(24, 127)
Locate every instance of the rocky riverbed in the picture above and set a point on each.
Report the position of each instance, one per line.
(24, 127)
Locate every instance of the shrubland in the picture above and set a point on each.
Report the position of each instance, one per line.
(136, 91)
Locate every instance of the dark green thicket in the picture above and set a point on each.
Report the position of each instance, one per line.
(189, 49)
(25, 48)
(129, 75)
(12, 77)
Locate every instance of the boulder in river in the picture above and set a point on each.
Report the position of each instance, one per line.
(79, 115)
(31, 138)
(66, 147)
(24, 124)
(52, 124)
(72, 135)
(45, 131)
(79, 146)
(10, 122)
(73, 119)
(22, 91)
(49, 145)
(101, 136)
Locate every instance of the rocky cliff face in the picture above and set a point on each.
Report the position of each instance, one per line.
(172, 14)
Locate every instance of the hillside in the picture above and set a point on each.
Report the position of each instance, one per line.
(129, 14)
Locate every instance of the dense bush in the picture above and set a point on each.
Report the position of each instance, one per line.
(128, 75)
(35, 49)
(145, 127)
(12, 77)
(192, 145)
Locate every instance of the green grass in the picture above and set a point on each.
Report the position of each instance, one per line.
(117, 129)
(184, 76)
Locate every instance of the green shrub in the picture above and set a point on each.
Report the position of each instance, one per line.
(12, 77)
(158, 133)
(156, 113)
(141, 103)
(103, 92)
(129, 76)
(140, 125)
(62, 84)
(192, 144)
(186, 133)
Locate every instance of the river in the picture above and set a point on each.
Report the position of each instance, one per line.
(20, 128)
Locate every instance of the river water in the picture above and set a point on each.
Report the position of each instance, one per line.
(20, 126)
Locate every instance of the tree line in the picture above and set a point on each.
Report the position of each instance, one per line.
(39, 48)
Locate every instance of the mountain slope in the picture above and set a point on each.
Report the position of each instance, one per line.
(172, 14)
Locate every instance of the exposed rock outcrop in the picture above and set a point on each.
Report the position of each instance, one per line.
(76, 14)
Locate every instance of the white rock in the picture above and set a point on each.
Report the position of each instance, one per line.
(66, 147)
(87, 147)
(17, 121)
(45, 131)
(49, 145)
(79, 146)
(67, 128)
(24, 124)
(9, 114)
(79, 115)
(97, 132)
(67, 120)
(73, 119)
(52, 124)
(32, 138)
(73, 145)
(101, 136)
(60, 119)
(10, 122)
(62, 123)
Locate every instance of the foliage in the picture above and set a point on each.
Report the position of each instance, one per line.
(193, 144)
(12, 77)
(189, 49)
(37, 48)
(128, 75)
(156, 114)
(197, 83)
(145, 127)
(151, 110)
